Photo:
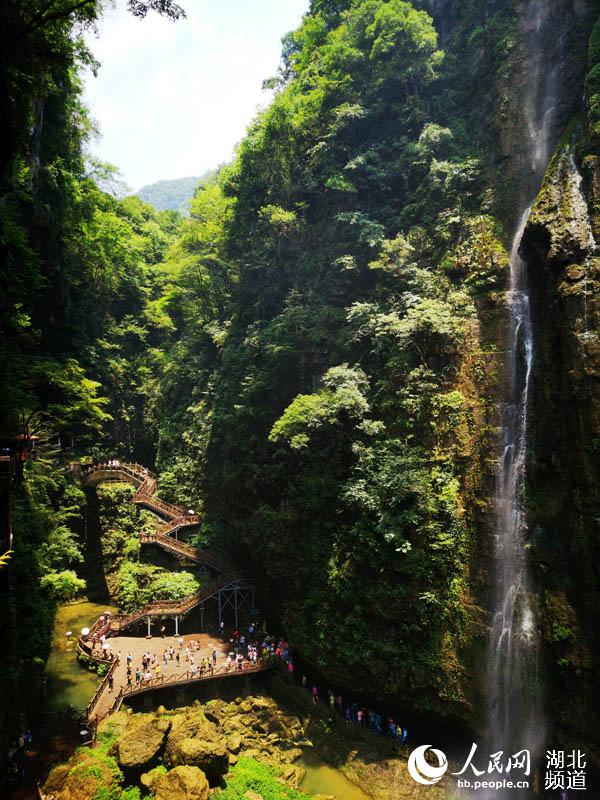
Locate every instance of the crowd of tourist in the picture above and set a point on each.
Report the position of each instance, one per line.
(357, 714)
(248, 648)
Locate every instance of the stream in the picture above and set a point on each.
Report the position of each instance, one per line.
(67, 682)
(321, 778)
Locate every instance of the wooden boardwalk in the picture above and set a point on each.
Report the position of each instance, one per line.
(227, 582)
(106, 701)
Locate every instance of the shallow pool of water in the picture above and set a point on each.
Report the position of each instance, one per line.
(68, 683)
(321, 778)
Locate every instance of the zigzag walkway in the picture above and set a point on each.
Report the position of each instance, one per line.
(228, 587)
(176, 518)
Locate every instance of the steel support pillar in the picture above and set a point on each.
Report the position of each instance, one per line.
(176, 625)
(235, 605)
(149, 634)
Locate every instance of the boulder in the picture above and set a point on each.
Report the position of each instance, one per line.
(288, 773)
(182, 783)
(211, 757)
(86, 775)
(192, 724)
(234, 743)
(285, 727)
(141, 743)
(148, 779)
(290, 755)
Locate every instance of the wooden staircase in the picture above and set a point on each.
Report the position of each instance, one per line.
(174, 519)
(185, 550)
(163, 608)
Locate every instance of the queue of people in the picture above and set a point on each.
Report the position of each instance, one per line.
(355, 714)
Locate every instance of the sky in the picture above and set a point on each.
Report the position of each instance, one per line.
(174, 98)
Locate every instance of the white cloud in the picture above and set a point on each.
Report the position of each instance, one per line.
(174, 99)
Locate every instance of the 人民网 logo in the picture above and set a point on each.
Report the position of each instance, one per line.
(424, 772)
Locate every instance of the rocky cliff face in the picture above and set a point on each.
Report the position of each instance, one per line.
(560, 244)
(565, 34)
(563, 496)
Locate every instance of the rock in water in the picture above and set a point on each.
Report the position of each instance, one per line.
(182, 783)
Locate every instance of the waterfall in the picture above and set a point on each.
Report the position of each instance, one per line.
(514, 719)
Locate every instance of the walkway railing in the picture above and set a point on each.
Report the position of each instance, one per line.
(89, 651)
(161, 608)
(227, 670)
(159, 506)
(183, 521)
(185, 550)
(115, 471)
(98, 693)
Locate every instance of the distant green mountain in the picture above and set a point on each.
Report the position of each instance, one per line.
(173, 195)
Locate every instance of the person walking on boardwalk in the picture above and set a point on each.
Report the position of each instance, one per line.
(110, 683)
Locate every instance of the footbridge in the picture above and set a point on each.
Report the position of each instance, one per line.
(232, 588)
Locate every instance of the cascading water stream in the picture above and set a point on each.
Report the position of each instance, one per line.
(514, 720)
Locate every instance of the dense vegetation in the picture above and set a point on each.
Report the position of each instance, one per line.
(339, 394)
(79, 315)
(312, 356)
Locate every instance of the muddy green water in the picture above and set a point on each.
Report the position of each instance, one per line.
(67, 683)
(323, 779)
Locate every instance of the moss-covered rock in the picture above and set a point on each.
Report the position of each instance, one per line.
(211, 757)
(148, 779)
(139, 746)
(560, 220)
(89, 773)
(182, 783)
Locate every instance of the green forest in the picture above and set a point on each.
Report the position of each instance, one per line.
(172, 195)
(312, 358)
